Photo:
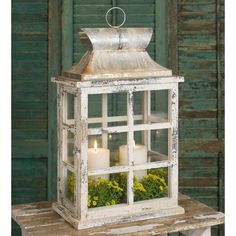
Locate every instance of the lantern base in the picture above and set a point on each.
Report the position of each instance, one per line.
(78, 224)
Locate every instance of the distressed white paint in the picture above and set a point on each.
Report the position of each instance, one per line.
(43, 216)
(79, 215)
(119, 169)
(127, 230)
(104, 119)
(130, 143)
(173, 143)
(215, 216)
(119, 82)
(126, 128)
(118, 215)
(179, 221)
(83, 162)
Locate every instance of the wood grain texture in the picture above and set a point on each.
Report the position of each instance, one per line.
(29, 100)
(40, 219)
(200, 40)
(54, 69)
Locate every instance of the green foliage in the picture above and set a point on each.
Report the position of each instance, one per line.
(150, 187)
(102, 192)
(71, 184)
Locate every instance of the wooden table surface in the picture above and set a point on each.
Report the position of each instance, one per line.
(40, 219)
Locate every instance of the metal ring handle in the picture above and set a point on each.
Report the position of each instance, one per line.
(113, 26)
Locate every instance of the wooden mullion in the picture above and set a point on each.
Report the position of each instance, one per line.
(146, 118)
(68, 166)
(70, 128)
(118, 169)
(60, 144)
(64, 132)
(104, 119)
(112, 119)
(130, 143)
(82, 163)
(173, 143)
(121, 129)
(77, 153)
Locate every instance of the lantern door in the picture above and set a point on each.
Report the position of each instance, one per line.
(133, 150)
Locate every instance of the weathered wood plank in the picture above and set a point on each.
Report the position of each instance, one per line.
(197, 56)
(39, 219)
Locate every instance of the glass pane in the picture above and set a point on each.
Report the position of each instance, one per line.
(107, 192)
(138, 103)
(69, 185)
(150, 146)
(117, 109)
(152, 185)
(70, 148)
(159, 144)
(117, 104)
(94, 105)
(159, 105)
(70, 106)
(117, 143)
(150, 107)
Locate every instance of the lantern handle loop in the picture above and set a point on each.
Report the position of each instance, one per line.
(114, 26)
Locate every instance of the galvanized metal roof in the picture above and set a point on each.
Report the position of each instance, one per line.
(115, 54)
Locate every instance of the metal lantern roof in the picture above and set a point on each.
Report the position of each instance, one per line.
(115, 53)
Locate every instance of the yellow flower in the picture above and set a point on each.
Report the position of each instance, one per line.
(139, 187)
(113, 202)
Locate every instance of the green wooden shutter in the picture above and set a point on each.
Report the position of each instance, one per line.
(29, 101)
(140, 13)
(200, 50)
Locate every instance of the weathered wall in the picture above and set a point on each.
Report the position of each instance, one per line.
(29, 101)
(200, 60)
(201, 96)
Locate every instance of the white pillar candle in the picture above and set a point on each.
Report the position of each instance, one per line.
(140, 157)
(98, 158)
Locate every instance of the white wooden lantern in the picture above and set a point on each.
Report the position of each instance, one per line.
(105, 144)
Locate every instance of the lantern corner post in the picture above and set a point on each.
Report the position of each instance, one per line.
(81, 149)
(173, 143)
(60, 117)
(130, 181)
